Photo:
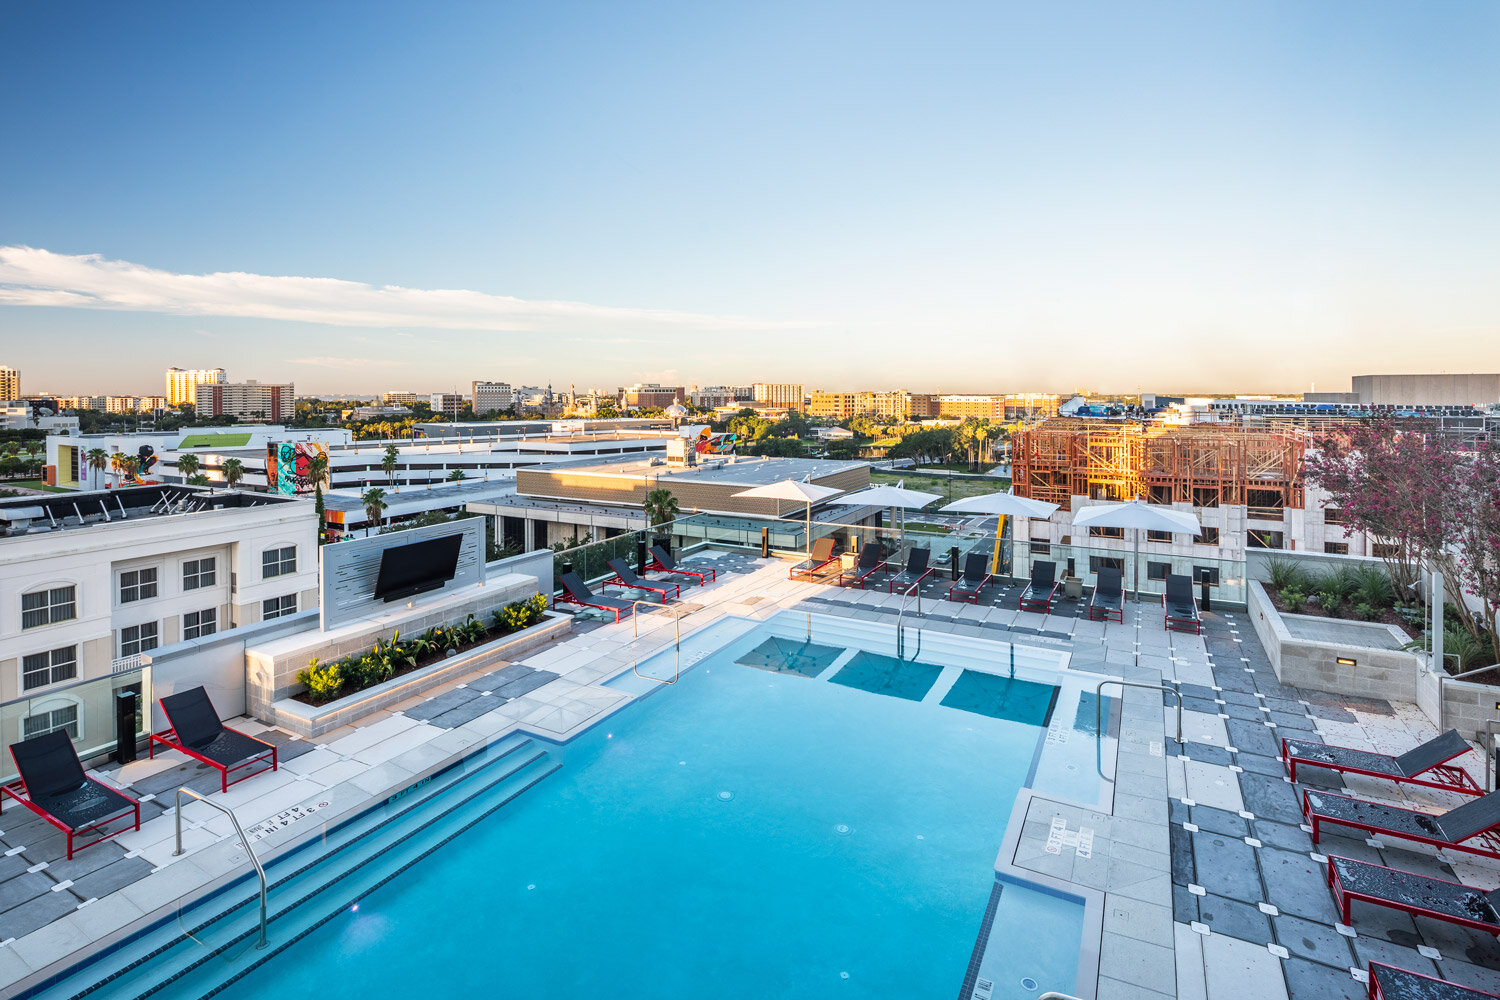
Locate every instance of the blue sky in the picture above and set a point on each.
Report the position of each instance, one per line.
(964, 197)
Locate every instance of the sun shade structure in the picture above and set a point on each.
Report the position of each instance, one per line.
(799, 491)
(1001, 505)
(1139, 517)
(896, 497)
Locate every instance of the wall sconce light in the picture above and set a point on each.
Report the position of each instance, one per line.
(1346, 661)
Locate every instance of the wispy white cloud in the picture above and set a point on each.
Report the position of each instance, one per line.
(34, 277)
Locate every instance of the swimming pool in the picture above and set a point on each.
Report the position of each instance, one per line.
(801, 814)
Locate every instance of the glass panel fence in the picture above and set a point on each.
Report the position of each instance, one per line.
(85, 710)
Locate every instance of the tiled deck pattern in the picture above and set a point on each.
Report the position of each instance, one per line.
(1212, 887)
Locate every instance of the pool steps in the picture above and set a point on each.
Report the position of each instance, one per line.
(212, 943)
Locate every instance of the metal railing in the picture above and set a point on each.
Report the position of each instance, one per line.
(245, 841)
(677, 615)
(1099, 703)
(916, 589)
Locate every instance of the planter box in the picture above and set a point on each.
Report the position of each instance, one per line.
(315, 720)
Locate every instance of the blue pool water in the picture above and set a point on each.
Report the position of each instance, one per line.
(759, 830)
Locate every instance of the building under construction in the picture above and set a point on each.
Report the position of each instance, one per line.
(1206, 466)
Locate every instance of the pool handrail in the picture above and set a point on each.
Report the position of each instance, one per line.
(1099, 703)
(259, 871)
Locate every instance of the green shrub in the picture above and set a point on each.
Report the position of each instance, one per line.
(520, 614)
(1365, 610)
(1293, 599)
(1373, 587)
(1341, 582)
(1286, 575)
(323, 680)
(1329, 601)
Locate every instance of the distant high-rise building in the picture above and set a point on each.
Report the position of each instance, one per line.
(490, 397)
(447, 404)
(651, 395)
(121, 404)
(400, 397)
(148, 403)
(246, 400)
(10, 384)
(784, 394)
(182, 383)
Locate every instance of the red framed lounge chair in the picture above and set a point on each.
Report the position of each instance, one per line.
(54, 787)
(198, 732)
(626, 577)
(1471, 827)
(1353, 881)
(1042, 589)
(1179, 606)
(916, 571)
(976, 576)
(871, 561)
(575, 591)
(1426, 765)
(1107, 603)
(818, 559)
(1390, 983)
(662, 559)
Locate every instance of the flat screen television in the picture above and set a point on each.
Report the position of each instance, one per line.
(413, 569)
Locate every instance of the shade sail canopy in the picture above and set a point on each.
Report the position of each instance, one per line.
(892, 496)
(1141, 516)
(791, 489)
(997, 504)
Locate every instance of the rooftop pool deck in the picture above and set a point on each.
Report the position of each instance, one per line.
(1181, 870)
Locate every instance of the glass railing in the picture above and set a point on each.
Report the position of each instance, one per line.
(85, 709)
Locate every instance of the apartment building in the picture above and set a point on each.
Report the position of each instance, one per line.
(652, 396)
(787, 394)
(838, 405)
(182, 383)
(400, 397)
(446, 404)
(711, 397)
(90, 581)
(121, 404)
(490, 397)
(996, 407)
(249, 400)
(10, 384)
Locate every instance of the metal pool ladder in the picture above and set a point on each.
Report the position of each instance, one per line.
(259, 871)
(901, 614)
(677, 614)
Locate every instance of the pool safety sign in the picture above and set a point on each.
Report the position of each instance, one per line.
(280, 821)
(1080, 840)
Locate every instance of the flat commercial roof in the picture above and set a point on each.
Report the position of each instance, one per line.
(417, 499)
(725, 470)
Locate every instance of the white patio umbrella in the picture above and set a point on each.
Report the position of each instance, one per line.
(1141, 517)
(1005, 504)
(895, 497)
(791, 489)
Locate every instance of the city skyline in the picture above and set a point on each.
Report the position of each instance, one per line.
(974, 198)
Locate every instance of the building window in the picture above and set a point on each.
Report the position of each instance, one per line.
(1041, 548)
(137, 585)
(1385, 550)
(1210, 536)
(276, 607)
(42, 723)
(1158, 570)
(136, 639)
(1096, 563)
(1212, 573)
(1258, 539)
(1158, 536)
(196, 624)
(1336, 548)
(1334, 515)
(47, 607)
(1096, 532)
(278, 562)
(51, 667)
(199, 573)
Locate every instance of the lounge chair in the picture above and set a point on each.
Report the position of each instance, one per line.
(54, 787)
(662, 559)
(198, 732)
(976, 575)
(817, 560)
(871, 561)
(916, 571)
(1108, 600)
(575, 591)
(1426, 765)
(1470, 827)
(1353, 881)
(1390, 983)
(1179, 606)
(1042, 589)
(626, 577)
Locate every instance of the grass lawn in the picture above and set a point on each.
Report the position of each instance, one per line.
(951, 489)
(31, 484)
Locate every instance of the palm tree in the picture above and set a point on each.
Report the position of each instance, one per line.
(130, 466)
(391, 459)
(234, 471)
(117, 466)
(456, 475)
(317, 473)
(197, 480)
(187, 465)
(97, 459)
(374, 501)
(661, 507)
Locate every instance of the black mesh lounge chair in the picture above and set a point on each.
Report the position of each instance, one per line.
(575, 591)
(916, 571)
(817, 561)
(1390, 983)
(54, 787)
(1179, 606)
(1042, 589)
(1353, 881)
(1108, 600)
(976, 575)
(871, 561)
(198, 732)
(662, 559)
(626, 577)
(1426, 765)
(1470, 827)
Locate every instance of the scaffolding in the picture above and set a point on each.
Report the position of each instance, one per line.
(1206, 466)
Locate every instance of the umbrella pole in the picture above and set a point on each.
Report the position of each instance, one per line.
(1136, 569)
(807, 533)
